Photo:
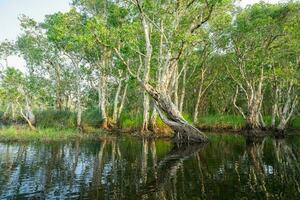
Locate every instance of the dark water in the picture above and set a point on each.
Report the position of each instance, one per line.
(129, 168)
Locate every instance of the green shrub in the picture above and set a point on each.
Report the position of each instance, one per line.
(56, 119)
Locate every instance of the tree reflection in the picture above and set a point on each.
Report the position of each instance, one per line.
(113, 168)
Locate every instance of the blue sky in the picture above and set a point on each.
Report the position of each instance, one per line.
(10, 10)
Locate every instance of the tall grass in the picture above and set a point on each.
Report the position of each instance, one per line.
(221, 121)
(22, 133)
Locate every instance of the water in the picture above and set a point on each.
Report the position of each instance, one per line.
(130, 168)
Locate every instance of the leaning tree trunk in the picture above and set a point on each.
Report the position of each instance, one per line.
(182, 129)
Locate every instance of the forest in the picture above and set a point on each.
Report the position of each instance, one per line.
(157, 68)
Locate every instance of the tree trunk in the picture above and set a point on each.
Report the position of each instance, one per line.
(147, 64)
(58, 103)
(183, 89)
(116, 102)
(28, 115)
(102, 99)
(253, 119)
(182, 129)
(196, 110)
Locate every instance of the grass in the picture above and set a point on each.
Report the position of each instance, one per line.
(235, 122)
(22, 133)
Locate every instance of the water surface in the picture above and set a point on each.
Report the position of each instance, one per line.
(130, 168)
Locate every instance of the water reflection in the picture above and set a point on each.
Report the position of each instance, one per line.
(127, 168)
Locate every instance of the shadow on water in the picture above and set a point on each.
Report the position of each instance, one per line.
(229, 167)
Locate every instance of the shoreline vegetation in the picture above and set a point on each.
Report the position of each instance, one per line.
(63, 128)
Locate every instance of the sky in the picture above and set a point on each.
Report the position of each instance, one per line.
(10, 10)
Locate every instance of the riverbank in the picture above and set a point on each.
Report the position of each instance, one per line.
(216, 124)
